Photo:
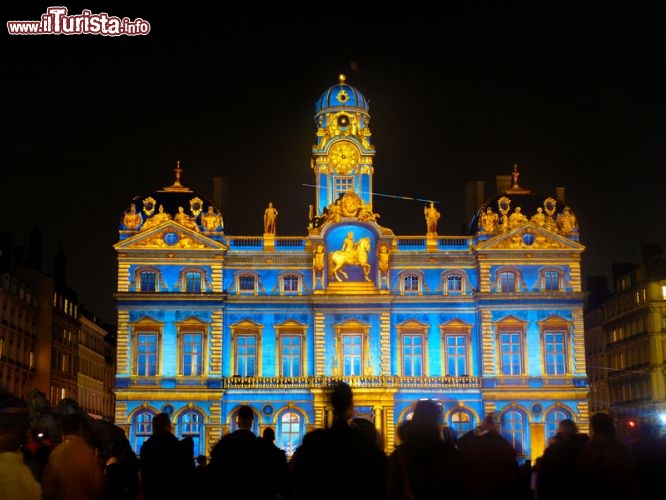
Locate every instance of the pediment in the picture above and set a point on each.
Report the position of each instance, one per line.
(530, 237)
(169, 236)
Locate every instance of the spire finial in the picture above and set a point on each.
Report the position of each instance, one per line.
(178, 171)
(342, 77)
(515, 175)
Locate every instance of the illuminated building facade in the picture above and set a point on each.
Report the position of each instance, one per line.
(488, 322)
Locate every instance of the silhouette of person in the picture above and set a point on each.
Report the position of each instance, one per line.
(279, 463)
(241, 463)
(16, 478)
(491, 467)
(72, 470)
(557, 467)
(339, 455)
(424, 465)
(604, 469)
(166, 464)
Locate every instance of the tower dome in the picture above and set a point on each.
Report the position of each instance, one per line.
(339, 97)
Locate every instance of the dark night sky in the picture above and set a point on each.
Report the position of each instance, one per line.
(575, 99)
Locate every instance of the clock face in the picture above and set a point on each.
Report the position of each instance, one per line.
(343, 156)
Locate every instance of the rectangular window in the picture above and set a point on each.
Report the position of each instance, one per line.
(511, 353)
(456, 355)
(246, 355)
(291, 284)
(147, 281)
(146, 360)
(342, 185)
(508, 282)
(193, 282)
(552, 281)
(412, 355)
(411, 283)
(554, 348)
(246, 283)
(454, 283)
(352, 355)
(192, 353)
(290, 351)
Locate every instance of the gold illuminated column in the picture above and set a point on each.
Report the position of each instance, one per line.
(377, 410)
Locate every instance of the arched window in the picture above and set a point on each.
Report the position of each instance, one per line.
(290, 432)
(191, 424)
(553, 418)
(461, 421)
(141, 429)
(513, 428)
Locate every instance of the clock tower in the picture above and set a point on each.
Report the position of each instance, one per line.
(342, 156)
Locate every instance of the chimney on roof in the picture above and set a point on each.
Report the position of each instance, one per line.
(559, 194)
(474, 198)
(503, 182)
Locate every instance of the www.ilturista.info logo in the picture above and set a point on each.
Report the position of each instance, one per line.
(56, 22)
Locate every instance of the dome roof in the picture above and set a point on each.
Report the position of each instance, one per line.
(341, 96)
(170, 200)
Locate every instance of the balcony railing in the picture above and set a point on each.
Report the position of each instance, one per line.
(379, 381)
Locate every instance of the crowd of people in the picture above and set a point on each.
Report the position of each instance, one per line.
(346, 460)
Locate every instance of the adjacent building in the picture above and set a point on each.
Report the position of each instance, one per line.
(625, 339)
(47, 343)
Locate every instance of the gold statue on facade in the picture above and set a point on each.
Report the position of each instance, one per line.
(132, 219)
(539, 218)
(350, 253)
(566, 222)
(432, 217)
(489, 221)
(157, 219)
(270, 217)
(517, 218)
(185, 220)
(211, 220)
(318, 255)
(383, 255)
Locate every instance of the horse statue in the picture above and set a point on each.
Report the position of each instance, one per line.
(356, 257)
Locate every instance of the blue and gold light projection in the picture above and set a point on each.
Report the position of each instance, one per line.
(487, 322)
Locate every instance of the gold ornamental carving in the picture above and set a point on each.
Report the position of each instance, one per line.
(149, 206)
